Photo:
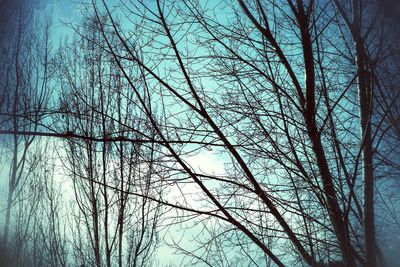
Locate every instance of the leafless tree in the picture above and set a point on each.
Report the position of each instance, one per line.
(267, 86)
(95, 102)
(293, 97)
(25, 75)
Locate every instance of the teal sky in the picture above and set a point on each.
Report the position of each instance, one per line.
(64, 12)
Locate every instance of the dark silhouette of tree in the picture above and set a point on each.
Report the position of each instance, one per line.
(279, 87)
(299, 100)
(25, 75)
(120, 229)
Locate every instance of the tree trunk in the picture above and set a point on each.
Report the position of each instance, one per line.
(365, 100)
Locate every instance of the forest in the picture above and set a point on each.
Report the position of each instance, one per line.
(199, 133)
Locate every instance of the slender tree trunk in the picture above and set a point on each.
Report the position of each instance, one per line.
(10, 197)
(104, 165)
(11, 189)
(335, 213)
(13, 178)
(122, 207)
(95, 215)
(8, 212)
(365, 100)
(332, 201)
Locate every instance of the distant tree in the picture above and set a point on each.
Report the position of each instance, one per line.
(24, 97)
(40, 225)
(95, 103)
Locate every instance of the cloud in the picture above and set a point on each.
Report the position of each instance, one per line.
(207, 162)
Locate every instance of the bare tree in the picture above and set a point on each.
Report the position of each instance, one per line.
(95, 102)
(268, 80)
(292, 96)
(24, 96)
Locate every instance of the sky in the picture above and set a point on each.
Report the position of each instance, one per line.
(63, 11)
